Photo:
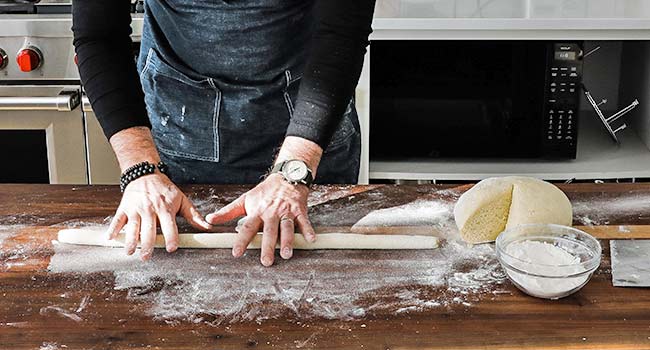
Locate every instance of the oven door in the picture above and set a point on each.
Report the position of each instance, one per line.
(52, 110)
(103, 168)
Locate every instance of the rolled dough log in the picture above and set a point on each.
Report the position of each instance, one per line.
(96, 237)
(496, 204)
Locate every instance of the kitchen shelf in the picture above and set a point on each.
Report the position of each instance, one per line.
(598, 158)
(511, 29)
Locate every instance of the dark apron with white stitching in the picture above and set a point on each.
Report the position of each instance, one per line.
(220, 80)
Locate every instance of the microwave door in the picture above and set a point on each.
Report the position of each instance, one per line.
(434, 128)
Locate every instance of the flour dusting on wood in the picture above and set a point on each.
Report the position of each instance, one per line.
(599, 210)
(7, 231)
(213, 287)
(437, 216)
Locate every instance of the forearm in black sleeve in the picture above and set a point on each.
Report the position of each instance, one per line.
(102, 41)
(333, 67)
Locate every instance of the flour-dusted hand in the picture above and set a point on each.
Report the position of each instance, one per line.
(148, 201)
(275, 206)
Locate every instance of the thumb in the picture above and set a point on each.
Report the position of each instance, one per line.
(189, 212)
(230, 212)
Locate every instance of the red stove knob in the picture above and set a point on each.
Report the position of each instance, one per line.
(29, 59)
(3, 59)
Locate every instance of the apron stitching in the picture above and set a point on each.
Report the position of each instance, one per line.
(287, 100)
(287, 96)
(215, 119)
(186, 155)
(287, 74)
(147, 62)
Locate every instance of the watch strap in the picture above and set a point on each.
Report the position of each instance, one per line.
(277, 168)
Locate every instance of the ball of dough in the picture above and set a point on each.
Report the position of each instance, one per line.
(496, 204)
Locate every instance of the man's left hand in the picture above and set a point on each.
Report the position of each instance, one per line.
(277, 207)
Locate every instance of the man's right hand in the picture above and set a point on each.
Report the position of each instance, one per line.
(147, 200)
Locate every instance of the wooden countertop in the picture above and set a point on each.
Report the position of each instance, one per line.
(79, 310)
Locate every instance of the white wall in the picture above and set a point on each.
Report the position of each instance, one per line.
(514, 8)
(451, 8)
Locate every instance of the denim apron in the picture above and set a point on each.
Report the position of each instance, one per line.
(221, 79)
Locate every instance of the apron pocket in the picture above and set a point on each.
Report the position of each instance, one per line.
(343, 131)
(184, 112)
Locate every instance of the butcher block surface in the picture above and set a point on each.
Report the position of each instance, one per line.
(56, 296)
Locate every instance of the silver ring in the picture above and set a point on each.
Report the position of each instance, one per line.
(286, 218)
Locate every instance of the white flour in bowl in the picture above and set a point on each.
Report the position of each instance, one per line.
(545, 259)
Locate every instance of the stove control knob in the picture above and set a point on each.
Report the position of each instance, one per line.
(3, 59)
(29, 59)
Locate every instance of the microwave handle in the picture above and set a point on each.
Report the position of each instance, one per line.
(65, 101)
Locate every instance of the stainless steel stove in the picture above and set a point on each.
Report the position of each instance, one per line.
(48, 132)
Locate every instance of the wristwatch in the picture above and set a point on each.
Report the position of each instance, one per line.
(294, 171)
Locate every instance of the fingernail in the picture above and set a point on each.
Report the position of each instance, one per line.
(236, 252)
(130, 250)
(146, 254)
(311, 237)
(203, 220)
(267, 261)
(287, 252)
(171, 248)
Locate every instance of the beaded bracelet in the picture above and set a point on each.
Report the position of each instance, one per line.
(139, 170)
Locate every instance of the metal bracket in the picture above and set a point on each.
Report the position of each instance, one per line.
(608, 122)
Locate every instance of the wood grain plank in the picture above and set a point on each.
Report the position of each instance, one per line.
(599, 316)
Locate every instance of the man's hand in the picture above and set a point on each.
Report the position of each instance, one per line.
(147, 200)
(150, 199)
(275, 206)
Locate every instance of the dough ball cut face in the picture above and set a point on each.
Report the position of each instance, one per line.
(491, 217)
(538, 202)
(496, 204)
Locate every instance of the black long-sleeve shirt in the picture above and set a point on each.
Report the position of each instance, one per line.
(103, 45)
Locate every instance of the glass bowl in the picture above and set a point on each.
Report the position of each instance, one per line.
(548, 261)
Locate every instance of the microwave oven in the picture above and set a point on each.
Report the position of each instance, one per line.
(474, 99)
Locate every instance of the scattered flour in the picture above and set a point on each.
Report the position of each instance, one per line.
(323, 194)
(594, 211)
(212, 287)
(418, 213)
(17, 253)
(57, 310)
(7, 231)
(426, 216)
(48, 345)
(549, 260)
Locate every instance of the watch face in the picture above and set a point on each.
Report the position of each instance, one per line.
(295, 170)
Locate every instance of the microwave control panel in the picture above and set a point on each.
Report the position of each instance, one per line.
(563, 82)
